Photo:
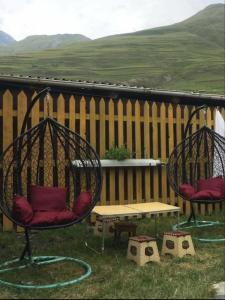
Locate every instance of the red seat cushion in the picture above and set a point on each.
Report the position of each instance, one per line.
(212, 184)
(187, 190)
(207, 195)
(43, 218)
(48, 198)
(82, 203)
(22, 209)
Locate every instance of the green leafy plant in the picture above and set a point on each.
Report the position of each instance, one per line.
(118, 153)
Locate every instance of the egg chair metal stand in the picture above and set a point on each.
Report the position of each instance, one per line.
(44, 155)
(200, 155)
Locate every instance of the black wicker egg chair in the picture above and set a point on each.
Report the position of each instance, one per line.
(48, 161)
(196, 172)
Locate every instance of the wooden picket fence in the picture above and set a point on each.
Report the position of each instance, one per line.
(148, 129)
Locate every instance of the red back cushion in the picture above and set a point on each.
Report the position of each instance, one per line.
(48, 198)
(207, 195)
(22, 209)
(82, 203)
(187, 190)
(213, 184)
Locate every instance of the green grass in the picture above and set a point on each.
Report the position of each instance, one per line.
(114, 277)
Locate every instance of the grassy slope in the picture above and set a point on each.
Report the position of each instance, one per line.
(179, 57)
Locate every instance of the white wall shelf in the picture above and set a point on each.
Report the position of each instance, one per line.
(113, 163)
(130, 163)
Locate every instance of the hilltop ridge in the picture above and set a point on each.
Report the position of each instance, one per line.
(6, 39)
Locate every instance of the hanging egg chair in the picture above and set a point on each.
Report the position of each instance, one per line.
(51, 178)
(196, 172)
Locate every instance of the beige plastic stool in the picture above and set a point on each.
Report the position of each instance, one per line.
(177, 243)
(142, 249)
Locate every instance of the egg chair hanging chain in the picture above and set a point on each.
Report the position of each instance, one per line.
(34, 100)
(192, 115)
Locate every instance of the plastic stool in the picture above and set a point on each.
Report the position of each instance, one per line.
(142, 249)
(177, 243)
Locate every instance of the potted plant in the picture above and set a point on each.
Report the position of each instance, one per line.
(120, 157)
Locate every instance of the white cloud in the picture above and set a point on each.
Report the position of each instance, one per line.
(94, 19)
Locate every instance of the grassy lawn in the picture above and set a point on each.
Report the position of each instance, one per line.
(113, 276)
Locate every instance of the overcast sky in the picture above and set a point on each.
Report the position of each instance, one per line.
(93, 18)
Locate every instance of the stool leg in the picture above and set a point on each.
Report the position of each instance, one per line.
(119, 235)
(115, 235)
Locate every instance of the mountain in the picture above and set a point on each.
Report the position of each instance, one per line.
(185, 56)
(42, 42)
(208, 24)
(6, 39)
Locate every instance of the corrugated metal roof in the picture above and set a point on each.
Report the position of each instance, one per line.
(112, 90)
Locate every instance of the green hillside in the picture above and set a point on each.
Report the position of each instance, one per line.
(42, 42)
(207, 24)
(181, 57)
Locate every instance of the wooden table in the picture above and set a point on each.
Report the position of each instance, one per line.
(130, 210)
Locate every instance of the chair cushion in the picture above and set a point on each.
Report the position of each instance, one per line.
(22, 210)
(207, 195)
(48, 198)
(82, 203)
(187, 190)
(43, 218)
(213, 184)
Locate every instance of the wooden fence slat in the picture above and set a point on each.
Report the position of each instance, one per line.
(147, 149)
(48, 112)
(163, 151)
(155, 150)
(60, 151)
(72, 126)
(7, 111)
(92, 123)
(72, 114)
(102, 146)
(21, 111)
(35, 118)
(48, 105)
(179, 139)
(129, 146)
(112, 186)
(121, 143)
(171, 144)
(83, 117)
(186, 117)
(138, 151)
